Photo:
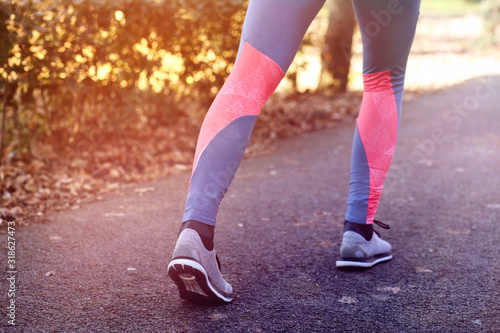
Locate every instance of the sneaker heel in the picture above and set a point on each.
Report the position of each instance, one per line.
(190, 283)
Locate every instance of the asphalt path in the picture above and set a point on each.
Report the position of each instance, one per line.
(102, 268)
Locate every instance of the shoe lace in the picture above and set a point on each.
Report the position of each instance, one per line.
(382, 225)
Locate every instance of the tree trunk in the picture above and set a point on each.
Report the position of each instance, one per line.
(336, 54)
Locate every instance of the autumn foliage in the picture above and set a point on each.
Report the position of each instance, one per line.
(74, 70)
(96, 93)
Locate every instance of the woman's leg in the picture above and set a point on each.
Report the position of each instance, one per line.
(387, 29)
(272, 33)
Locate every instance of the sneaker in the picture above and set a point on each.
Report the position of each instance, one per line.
(196, 271)
(356, 251)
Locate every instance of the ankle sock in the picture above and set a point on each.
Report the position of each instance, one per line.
(365, 230)
(205, 231)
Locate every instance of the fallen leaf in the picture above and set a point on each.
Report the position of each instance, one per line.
(422, 269)
(305, 224)
(17, 212)
(32, 201)
(394, 290)
(411, 256)
(30, 186)
(426, 162)
(114, 173)
(381, 297)
(458, 231)
(113, 186)
(323, 213)
(87, 187)
(144, 189)
(217, 316)
(323, 244)
(182, 167)
(66, 180)
(348, 300)
(55, 238)
(112, 214)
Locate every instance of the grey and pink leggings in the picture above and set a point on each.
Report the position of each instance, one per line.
(272, 33)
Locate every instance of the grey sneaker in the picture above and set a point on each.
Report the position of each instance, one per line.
(196, 271)
(356, 251)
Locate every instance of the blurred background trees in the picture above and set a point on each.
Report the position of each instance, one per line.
(336, 53)
(69, 69)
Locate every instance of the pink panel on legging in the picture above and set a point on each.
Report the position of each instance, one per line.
(378, 129)
(252, 80)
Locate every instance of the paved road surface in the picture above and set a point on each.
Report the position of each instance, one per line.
(278, 238)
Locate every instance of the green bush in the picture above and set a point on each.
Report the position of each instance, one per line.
(71, 69)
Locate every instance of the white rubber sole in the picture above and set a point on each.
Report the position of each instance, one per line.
(365, 263)
(193, 282)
